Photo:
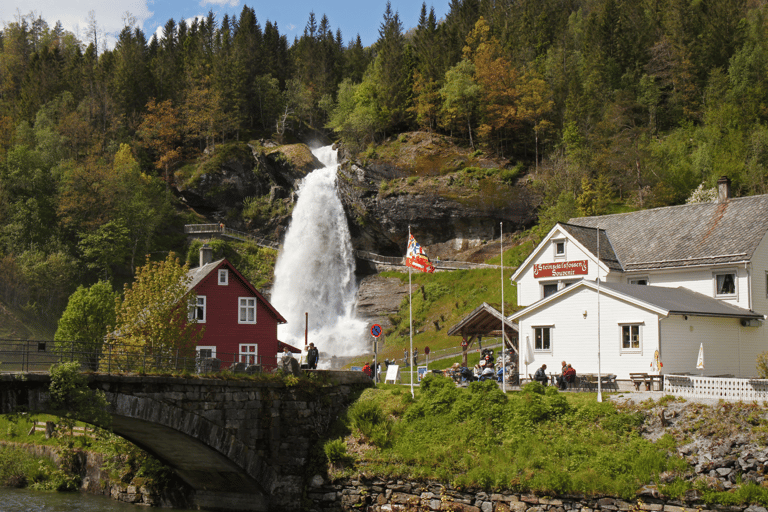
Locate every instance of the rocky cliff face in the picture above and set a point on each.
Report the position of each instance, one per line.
(452, 200)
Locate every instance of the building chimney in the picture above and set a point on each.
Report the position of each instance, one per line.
(723, 189)
(206, 255)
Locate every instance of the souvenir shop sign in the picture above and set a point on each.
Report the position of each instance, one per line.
(560, 269)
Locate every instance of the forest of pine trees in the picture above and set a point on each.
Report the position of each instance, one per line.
(601, 102)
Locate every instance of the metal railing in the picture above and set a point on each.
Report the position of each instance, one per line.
(218, 229)
(40, 356)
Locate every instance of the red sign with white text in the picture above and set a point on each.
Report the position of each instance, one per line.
(560, 269)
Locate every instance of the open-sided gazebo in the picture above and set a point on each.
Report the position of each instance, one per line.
(486, 321)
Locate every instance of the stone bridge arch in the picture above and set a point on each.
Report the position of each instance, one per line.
(241, 445)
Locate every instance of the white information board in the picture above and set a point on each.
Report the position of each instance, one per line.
(393, 374)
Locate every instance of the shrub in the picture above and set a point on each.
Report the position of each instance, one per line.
(336, 452)
(369, 419)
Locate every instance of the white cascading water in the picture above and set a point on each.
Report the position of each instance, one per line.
(315, 270)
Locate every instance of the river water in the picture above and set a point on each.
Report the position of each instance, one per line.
(24, 500)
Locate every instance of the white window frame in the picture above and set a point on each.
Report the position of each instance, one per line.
(549, 329)
(223, 273)
(634, 280)
(248, 353)
(195, 308)
(245, 304)
(735, 275)
(560, 285)
(212, 348)
(555, 244)
(631, 326)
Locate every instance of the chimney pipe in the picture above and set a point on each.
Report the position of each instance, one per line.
(723, 189)
(206, 255)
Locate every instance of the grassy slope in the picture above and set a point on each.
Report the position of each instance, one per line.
(527, 441)
(443, 299)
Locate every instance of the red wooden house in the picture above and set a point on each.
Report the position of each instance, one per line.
(240, 324)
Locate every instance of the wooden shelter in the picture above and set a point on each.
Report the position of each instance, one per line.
(486, 321)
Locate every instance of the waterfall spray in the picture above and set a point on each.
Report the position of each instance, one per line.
(315, 270)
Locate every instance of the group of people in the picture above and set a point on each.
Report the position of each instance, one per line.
(415, 357)
(567, 375)
(289, 362)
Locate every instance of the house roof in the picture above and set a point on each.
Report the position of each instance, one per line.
(587, 236)
(198, 274)
(682, 236)
(665, 301)
(484, 319)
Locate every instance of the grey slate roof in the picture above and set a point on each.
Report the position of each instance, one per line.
(588, 238)
(199, 273)
(682, 236)
(681, 301)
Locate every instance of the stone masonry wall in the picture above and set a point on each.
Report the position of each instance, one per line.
(379, 495)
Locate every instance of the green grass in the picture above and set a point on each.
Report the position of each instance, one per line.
(528, 441)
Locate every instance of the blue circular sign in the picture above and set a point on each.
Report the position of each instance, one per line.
(376, 330)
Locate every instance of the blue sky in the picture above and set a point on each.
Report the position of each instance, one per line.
(351, 16)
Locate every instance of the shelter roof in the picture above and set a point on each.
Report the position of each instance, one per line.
(485, 320)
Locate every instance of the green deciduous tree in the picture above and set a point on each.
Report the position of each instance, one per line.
(89, 315)
(152, 320)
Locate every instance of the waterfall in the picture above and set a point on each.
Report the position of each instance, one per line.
(315, 270)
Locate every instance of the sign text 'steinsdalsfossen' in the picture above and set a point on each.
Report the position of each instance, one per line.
(560, 268)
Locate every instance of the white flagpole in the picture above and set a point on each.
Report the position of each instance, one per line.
(599, 374)
(410, 314)
(503, 339)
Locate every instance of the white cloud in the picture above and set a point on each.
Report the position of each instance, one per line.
(231, 3)
(73, 15)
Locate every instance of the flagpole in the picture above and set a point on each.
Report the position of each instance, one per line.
(503, 338)
(599, 374)
(410, 316)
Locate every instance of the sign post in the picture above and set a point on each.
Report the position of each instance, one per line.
(375, 332)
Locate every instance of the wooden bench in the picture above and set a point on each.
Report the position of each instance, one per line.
(641, 378)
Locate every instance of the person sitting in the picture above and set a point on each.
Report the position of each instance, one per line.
(541, 375)
(569, 376)
(559, 378)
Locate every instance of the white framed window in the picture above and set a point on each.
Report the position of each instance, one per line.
(639, 280)
(197, 310)
(247, 310)
(223, 277)
(249, 353)
(542, 339)
(559, 248)
(551, 287)
(631, 338)
(206, 350)
(548, 289)
(725, 284)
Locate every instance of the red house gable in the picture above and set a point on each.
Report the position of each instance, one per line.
(240, 324)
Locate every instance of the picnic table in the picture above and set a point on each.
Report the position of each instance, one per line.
(652, 382)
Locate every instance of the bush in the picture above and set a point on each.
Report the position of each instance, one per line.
(369, 419)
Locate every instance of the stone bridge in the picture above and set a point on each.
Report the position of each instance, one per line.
(240, 444)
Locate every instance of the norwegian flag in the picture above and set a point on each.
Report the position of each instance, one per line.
(416, 258)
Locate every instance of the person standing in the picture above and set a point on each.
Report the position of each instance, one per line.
(313, 356)
(415, 356)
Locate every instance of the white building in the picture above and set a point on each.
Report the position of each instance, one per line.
(667, 279)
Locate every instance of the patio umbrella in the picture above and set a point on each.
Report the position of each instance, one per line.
(656, 363)
(527, 353)
(700, 360)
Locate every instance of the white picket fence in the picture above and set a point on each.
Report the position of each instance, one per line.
(716, 388)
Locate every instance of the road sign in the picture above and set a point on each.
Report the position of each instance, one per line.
(376, 330)
(426, 350)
